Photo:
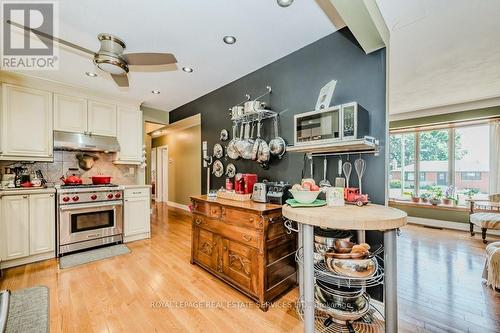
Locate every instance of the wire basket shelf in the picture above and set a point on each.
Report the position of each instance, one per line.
(321, 272)
(371, 322)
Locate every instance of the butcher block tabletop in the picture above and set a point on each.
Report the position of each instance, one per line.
(348, 217)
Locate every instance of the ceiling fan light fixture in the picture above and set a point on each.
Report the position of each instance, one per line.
(91, 74)
(111, 64)
(156, 92)
(187, 69)
(284, 3)
(229, 40)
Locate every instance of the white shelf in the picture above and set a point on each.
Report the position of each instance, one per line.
(365, 145)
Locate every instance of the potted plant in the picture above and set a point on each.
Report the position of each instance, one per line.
(436, 195)
(470, 192)
(449, 196)
(411, 194)
(425, 197)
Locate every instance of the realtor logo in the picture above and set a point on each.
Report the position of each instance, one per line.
(24, 25)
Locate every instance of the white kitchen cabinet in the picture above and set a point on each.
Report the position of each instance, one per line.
(136, 216)
(27, 228)
(41, 223)
(101, 118)
(70, 114)
(14, 227)
(26, 124)
(129, 134)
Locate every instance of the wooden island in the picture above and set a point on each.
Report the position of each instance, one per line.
(246, 245)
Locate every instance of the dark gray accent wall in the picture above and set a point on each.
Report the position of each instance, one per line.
(296, 80)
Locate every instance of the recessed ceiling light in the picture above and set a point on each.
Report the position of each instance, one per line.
(187, 69)
(156, 92)
(284, 3)
(90, 74)
(229, 39)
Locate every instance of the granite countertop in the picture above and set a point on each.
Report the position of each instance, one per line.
(29, 190)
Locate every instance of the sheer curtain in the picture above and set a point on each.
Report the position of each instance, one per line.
(495, 157)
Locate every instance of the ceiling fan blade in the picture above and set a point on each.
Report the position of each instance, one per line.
(44, 35)
(149, 59)
(120, 80)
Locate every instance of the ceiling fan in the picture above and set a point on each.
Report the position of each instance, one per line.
(110, 57)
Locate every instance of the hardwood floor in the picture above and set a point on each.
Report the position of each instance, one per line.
(156, 289)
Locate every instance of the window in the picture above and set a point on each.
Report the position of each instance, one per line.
(402, 145)
(410, 176)
(472, 162)
(433, 159)
(470, 175)
(457, 156)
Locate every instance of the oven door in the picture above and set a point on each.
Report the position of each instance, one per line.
(87, 221)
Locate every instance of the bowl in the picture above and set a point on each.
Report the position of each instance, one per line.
(305, 197)
(343, 245)
(355, 268)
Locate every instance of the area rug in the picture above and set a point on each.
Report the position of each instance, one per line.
(29, 311)
(81, 258)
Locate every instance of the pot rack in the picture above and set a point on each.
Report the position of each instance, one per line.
(258, 115)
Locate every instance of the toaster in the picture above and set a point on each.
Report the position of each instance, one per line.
(259, 193)
(278, 193)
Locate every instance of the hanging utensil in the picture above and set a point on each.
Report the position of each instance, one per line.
(257, 143)
(347, 168)
(339, 181)
(360, 167)
(231, 150)
(324, 182)
(278, 144)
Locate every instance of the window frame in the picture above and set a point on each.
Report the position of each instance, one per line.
(450, 127)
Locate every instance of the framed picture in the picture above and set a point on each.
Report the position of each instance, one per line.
(325, 95)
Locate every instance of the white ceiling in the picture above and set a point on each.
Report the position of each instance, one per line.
(442, 52)
(193, 31)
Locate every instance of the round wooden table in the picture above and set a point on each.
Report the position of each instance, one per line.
(349, 217)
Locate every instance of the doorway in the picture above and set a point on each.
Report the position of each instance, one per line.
(160, 173)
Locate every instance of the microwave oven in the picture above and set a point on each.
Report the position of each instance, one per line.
(337, 123)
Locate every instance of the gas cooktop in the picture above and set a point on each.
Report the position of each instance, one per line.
(87, 185)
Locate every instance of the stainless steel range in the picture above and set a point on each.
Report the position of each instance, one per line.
(88, 216)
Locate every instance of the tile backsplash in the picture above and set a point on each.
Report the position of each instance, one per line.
(63, 160)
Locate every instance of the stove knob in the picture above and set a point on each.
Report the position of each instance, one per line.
(93, 197)
(65, 199)
(110, 196)
(76, 198)
(118, 195)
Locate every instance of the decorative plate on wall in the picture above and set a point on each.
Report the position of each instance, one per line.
(230, 170)
(218, 150)
(224, 135)
(218, 168)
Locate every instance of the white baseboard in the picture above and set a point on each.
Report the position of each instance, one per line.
(28, 260)
(447, 225)
(133, 238)
(178, 205)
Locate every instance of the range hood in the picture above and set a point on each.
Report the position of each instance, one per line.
(83, 142)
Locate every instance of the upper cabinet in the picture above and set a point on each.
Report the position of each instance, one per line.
(26, 124)
(101, 118)
(70, 114)
(129, 130)
(76, 114)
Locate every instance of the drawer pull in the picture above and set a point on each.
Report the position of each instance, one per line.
(246, 237)
(225, 248)
(198, 221)
(251, 219)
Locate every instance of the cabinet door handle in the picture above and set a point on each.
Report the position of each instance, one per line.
(246, 237)
(51, 195)
(225, 248)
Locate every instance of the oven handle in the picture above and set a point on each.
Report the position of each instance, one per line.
(91, 205)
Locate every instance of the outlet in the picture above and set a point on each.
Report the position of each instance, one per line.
(131, 170)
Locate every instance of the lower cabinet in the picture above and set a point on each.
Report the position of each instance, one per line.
(245, 245)
(27, 228)
(136, 215)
